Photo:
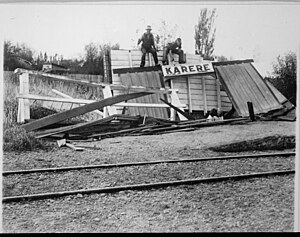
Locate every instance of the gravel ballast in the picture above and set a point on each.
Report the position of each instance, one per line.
(258, 204)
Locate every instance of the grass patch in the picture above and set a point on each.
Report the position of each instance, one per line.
(16, 138)
(266, 143)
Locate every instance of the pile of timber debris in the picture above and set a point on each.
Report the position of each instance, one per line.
(52, 126)
(122, 125)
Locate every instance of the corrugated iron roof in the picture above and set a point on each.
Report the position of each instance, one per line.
(243, 83)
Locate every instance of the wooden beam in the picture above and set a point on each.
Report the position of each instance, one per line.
(49, 132)
(93, 84)
(189, 94)
(58, 77)
(70, 97)
(232, 62)
(56, 99)
(80, 110)
(83, 101)
(136, 69)
(204, 95)
(178, 110)
(147, 105)
(196, 74)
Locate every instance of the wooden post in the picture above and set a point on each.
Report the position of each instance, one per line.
(130, 58)
(176, 102)
(251, 111)
(218, 94)
(189, 94)
(105, 66)
(297, 165)
(297, 169)
(23, 104)
(204, 95)
(111, 110)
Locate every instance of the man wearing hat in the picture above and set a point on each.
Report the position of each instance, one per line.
(174, 47)
(148, 46)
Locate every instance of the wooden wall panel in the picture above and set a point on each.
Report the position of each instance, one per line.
(120, 59)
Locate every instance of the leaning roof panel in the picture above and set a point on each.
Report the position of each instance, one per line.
(243, 83)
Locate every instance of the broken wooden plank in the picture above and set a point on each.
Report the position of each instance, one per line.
(56, 99)
(178, 110)
(75, 148)
(54, 131)
(70, 97)
(79, 111)
(63, 142)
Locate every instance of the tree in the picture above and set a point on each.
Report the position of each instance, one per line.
(284, 75)
(94, 54)
(165, 34)
(17, 56)
(205, 33)
(45, 57)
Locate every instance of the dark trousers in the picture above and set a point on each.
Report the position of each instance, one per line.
(148, 50)
(179, 52)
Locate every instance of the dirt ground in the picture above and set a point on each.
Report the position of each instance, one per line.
(258, 204)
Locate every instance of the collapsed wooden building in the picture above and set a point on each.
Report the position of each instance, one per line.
(225, 86)
(170, 94)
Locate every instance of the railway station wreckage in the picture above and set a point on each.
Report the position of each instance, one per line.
(135, 100)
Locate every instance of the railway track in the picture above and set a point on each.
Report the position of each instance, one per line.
(102, 166)
(195, 162)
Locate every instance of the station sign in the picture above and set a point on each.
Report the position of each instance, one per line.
(186, 69)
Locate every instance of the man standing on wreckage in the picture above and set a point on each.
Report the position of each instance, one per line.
(148, 46)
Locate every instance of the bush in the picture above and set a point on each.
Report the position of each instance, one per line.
(284, 76)
(267, 143)
(10, 113)
(17, 139)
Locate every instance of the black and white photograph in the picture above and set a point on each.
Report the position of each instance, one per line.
(149, 116)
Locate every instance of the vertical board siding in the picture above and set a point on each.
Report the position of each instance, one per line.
(150, 80)
(121, 59)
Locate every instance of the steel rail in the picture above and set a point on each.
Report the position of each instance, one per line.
(102, 166)
(143, 186)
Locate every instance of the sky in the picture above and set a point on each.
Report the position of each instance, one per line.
(244, 30)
